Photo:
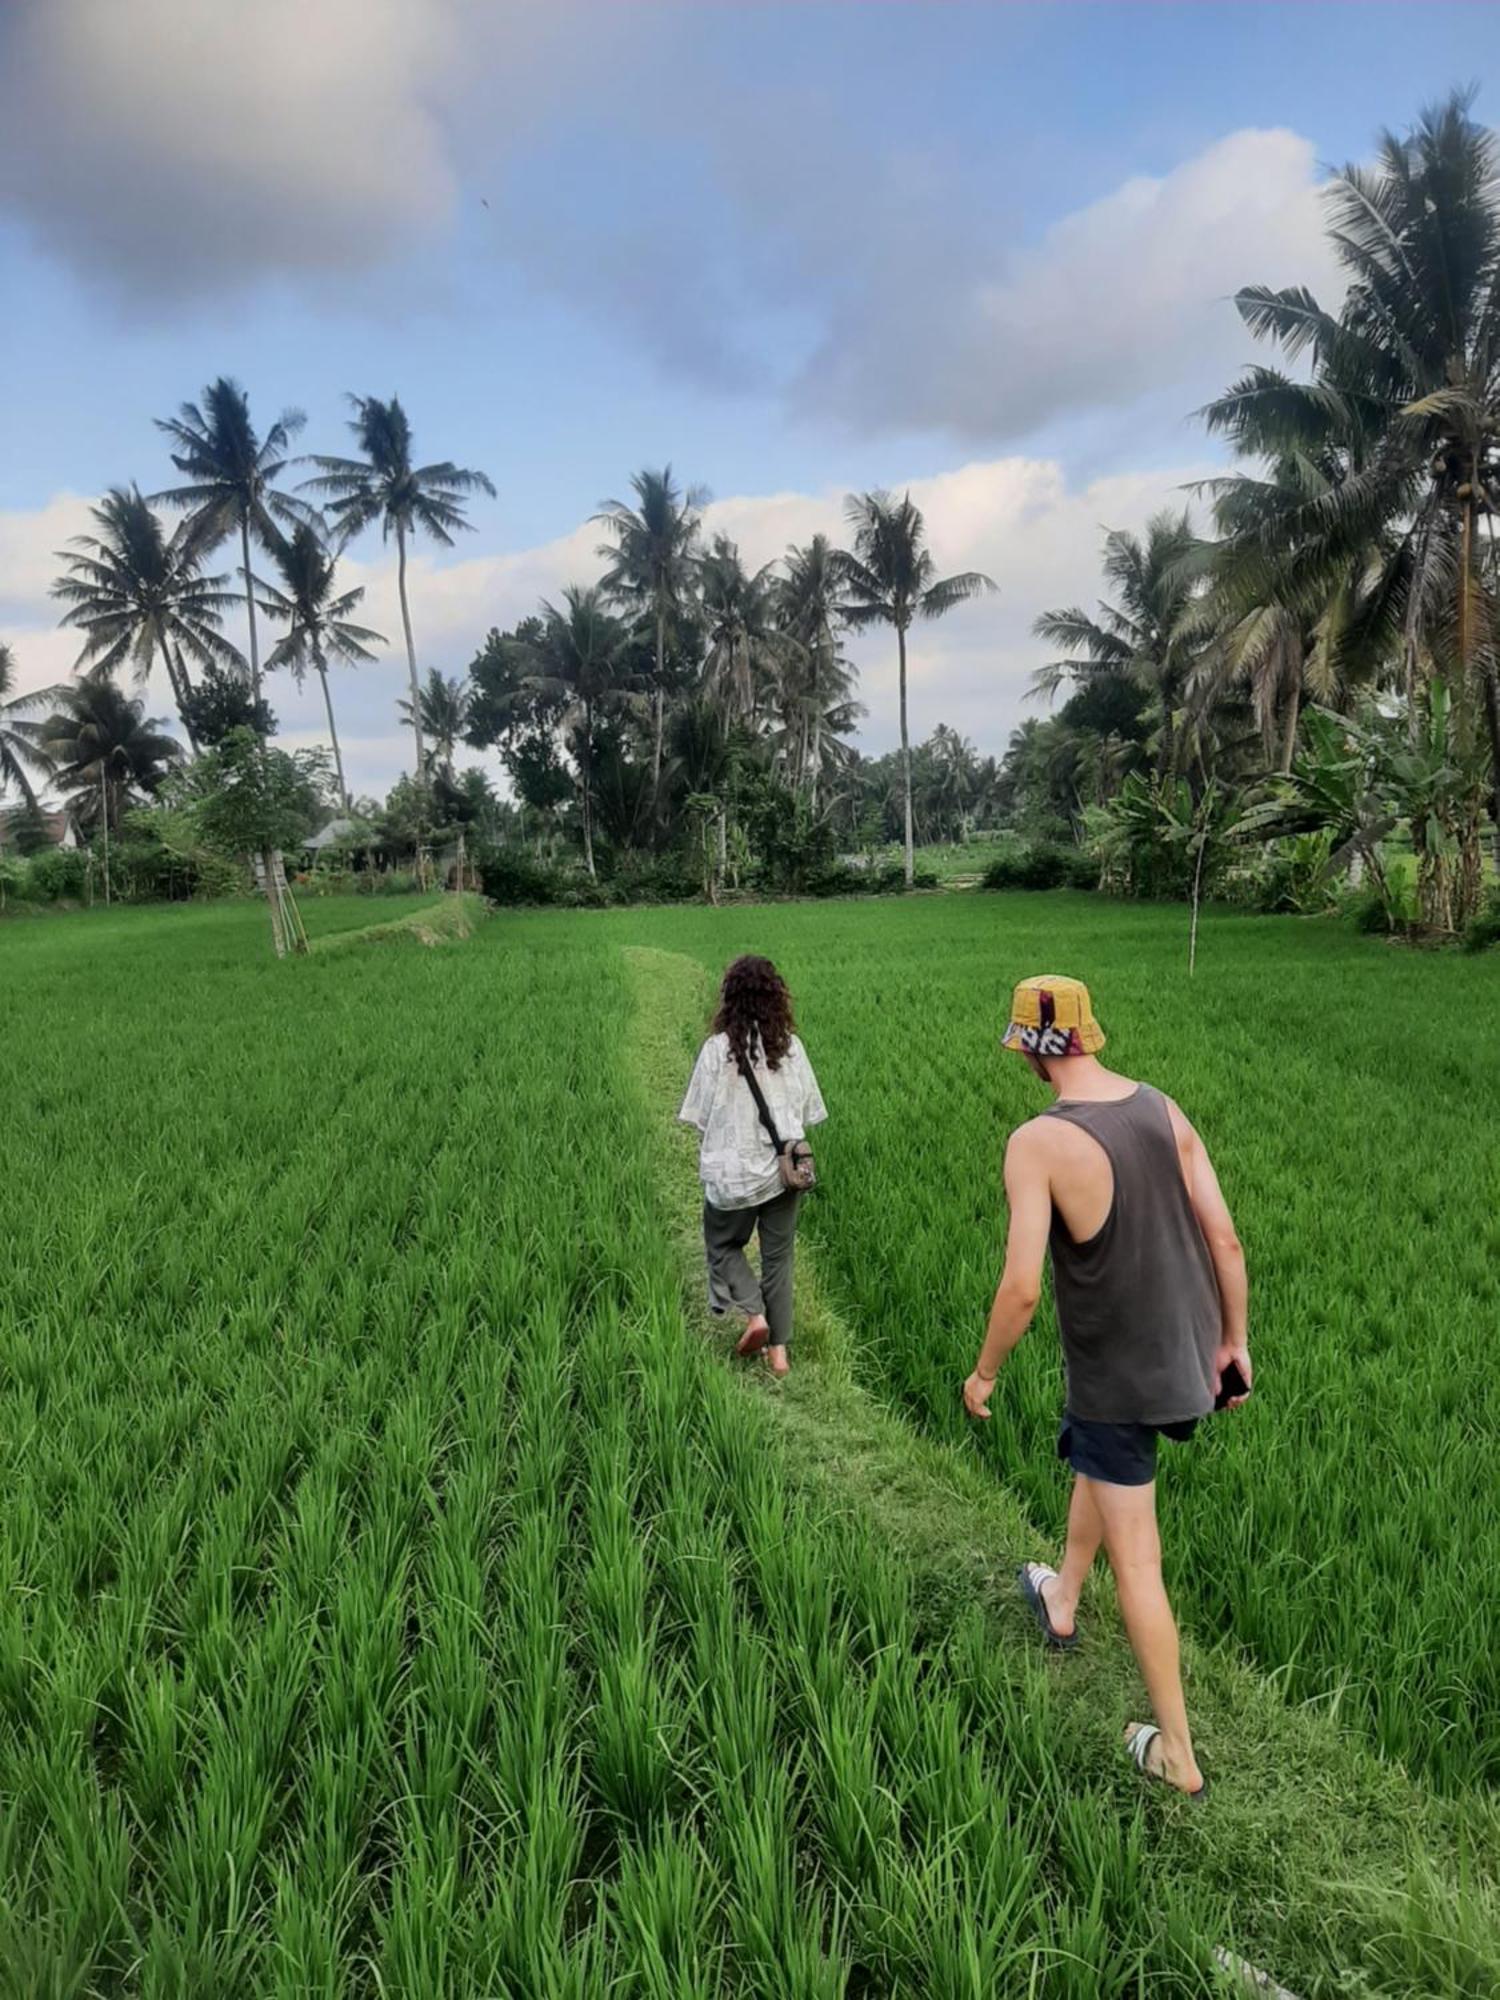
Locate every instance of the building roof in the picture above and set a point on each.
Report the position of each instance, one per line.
(335, 831)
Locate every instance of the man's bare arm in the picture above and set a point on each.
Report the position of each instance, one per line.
(1028, 1189)
(1225, 1249)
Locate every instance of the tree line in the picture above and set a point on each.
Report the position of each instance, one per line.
(1317, 664)
(1303, 679)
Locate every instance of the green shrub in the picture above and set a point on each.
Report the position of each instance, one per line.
(506, 875)
(1042, 865)
(1484, 931)
(839, 879)
(1368, 913)
(664, 878)
(57, 874)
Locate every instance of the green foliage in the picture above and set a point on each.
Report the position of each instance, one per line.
(222, 701)
(1042, 865)
(57, 874)
(1484, 931)
(509, 875)
(247, 797)
(28, 828)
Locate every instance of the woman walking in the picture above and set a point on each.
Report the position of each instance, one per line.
(746, 1187)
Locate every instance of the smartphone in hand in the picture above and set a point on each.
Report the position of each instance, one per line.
(1231, 1384)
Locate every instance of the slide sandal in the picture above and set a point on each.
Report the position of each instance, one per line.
(1139, 1746)
(1031, 1577)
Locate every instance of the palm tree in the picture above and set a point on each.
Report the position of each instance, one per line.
(231, 487)
(318, 621)
(815, 695)
(443, 715)
(652, 564)
(19, 744)
(578, 659)
(741, 640)
(405, 499)
(101, 747)
(1406, 376)
(136, 593)
(1144, 636)
(890, 579)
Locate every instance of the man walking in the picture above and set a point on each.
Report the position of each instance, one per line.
(1151, 1298)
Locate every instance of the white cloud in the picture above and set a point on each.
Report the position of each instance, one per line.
(1124, 297)
(1017, 519)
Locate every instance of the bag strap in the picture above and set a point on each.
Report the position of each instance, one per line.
(748, 1073)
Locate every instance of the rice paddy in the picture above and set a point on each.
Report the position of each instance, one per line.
(402, 1598)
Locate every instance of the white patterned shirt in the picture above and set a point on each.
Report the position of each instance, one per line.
(736, 1162)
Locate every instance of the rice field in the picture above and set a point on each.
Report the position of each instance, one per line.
(401, 1598)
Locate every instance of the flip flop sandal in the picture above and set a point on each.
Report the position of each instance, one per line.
(1031, 1577)
(752, 1343)
(1139, 1746)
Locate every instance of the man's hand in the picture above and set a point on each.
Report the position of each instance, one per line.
(977, 1392)
(1237, 1351)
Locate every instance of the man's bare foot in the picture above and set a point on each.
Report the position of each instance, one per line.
(776, 1360)
(1176, 1769)
(1062, 1615)
(753, 1339)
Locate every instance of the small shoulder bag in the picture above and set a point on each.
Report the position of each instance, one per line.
(794, 1157)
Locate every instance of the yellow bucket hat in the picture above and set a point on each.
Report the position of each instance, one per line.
(1051, 1016)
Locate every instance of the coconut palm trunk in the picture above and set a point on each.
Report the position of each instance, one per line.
(411, 650)
(285, 931)
(658, 704)
(333, 729)
(587, 774)
(908, 862)
(1289, 735)
(180, 685)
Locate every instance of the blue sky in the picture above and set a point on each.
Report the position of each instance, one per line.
(794, 249)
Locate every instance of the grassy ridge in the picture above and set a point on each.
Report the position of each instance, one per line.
(1348, 1094)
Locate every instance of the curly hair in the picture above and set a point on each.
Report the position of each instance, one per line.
(754, 1006)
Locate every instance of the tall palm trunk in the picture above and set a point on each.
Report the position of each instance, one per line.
(658, 704)
(909, 861)
(333, 732)
(285, 930)
(1289, 736)
(250, 613)
(587, 761)
(1471, 867)
(411, 651)
(177, 676)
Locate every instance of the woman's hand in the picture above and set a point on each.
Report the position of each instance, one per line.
(977, 1392)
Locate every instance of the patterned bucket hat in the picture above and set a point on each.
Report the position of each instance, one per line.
(1051, 1016)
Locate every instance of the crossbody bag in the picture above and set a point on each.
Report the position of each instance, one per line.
(794, 1157)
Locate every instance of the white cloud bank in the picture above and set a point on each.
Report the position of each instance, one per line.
(1015, 518)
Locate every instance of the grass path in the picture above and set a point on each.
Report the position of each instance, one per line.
(1345, 1877)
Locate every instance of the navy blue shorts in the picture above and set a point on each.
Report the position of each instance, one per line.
(1117, 1454)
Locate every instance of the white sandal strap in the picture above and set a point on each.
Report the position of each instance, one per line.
(1140, 1744)
(1040, 1573)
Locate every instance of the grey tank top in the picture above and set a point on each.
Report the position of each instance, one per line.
(1138, 1304)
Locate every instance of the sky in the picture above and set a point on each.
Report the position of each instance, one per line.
(983, 252)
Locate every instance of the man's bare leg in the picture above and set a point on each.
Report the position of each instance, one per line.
(1060, 1594)
(1134, 1545)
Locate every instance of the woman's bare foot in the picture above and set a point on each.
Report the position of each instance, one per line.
(776, 1360)
(753, 1339)
(1174, 1768)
